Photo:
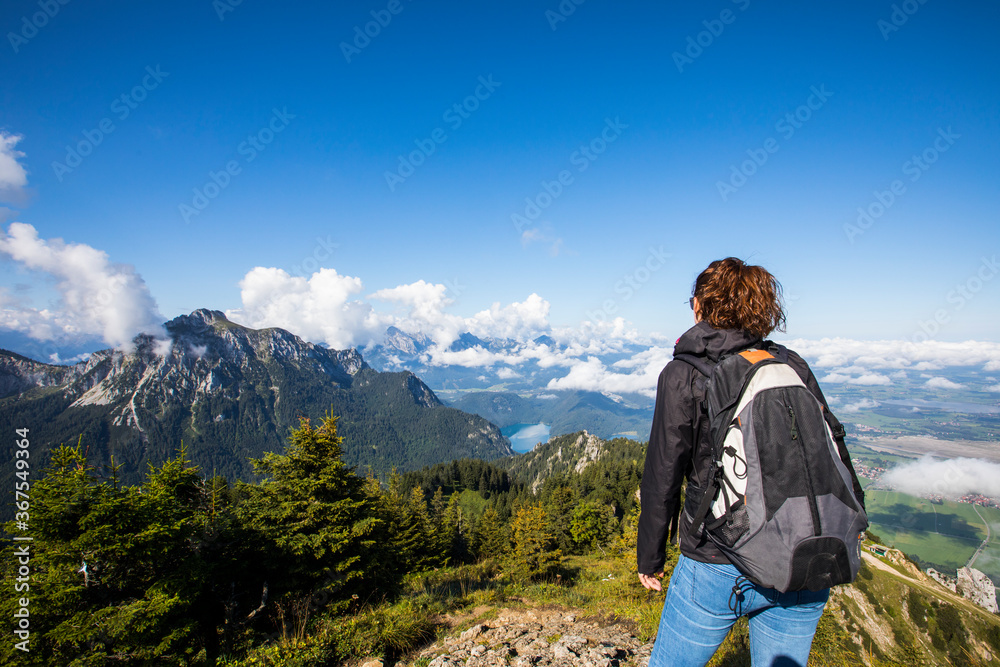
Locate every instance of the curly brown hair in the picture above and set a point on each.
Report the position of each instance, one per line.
(734, 295)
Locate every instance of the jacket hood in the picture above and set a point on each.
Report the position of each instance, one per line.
(704, 340)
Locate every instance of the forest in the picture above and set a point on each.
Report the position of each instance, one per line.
(188, 569)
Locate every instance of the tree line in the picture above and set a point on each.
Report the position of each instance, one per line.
(185, 569)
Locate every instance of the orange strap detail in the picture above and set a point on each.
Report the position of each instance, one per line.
(754, 356)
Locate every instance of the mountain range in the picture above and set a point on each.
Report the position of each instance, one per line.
(230, 393)
(507, 398)
(564, 412)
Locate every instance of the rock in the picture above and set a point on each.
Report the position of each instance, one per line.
(540, 638)
(561, 652)
(372, 663)
(948, 582)
(976, 586)
(473, 632)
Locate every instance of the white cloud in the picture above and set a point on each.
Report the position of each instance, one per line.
(319, 308)
(326, 308)
(163, 346)
(863, 404)
(592, 375)
(928, 366)
(943, 383)
(529, 235)
(13, 177)
(870, 379)
(520, 321)
(507, 373)
(537, 235)
(855, 375)
(97, 297)
(995, 387)
(952, 477)
(420, 308)
(837, 353)
(470, 357)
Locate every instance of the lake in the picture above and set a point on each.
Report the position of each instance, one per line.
(524, 437)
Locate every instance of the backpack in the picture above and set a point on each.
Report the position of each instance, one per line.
(779, 502)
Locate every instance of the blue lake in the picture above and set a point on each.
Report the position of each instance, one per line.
(524, 437)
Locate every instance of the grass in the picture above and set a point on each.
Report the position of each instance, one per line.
(447, 601)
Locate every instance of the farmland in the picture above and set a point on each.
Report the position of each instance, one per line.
(939, 534)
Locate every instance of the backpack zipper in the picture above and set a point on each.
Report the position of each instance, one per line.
(813, 508)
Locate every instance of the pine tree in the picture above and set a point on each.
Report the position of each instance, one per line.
(121, 573)
(559, 510)
(417, 550)
(318, 521)
(456, 532)
(535, 553)
(492, 536)
(591, 525)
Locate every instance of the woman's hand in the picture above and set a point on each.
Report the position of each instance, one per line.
(651, 581)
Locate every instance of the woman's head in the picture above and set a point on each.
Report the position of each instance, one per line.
(733, 295)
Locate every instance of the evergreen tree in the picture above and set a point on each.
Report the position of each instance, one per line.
(456, 532)
(440, 533)
(492, 536)
(120, 574)
(417, 548)
(559, 509)
(535, 553)
(319, 522)
(591, 525)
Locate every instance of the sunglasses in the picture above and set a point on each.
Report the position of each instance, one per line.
(691, 303)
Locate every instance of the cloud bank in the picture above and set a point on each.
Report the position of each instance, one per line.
(96, 297)
(952, 478)
(99, 298)
(880, 363)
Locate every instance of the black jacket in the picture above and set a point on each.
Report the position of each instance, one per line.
(675, 453)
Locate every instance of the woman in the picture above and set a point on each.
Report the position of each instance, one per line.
(735, 307)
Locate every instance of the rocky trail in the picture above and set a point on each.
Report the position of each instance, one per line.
(539, 637)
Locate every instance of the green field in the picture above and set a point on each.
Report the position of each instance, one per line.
(872, 458)
(943, 535)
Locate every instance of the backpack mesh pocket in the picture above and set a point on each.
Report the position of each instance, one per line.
(731, 528)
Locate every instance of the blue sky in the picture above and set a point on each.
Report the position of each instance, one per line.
(833, 101)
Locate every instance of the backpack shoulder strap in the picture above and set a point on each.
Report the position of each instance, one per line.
(700, 363)
(779, 352)
(704, 367)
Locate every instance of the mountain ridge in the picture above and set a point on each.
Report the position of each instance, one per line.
(229, 393)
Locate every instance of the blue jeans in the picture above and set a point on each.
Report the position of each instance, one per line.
(697, 617)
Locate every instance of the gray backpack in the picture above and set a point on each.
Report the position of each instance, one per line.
(779, 502)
